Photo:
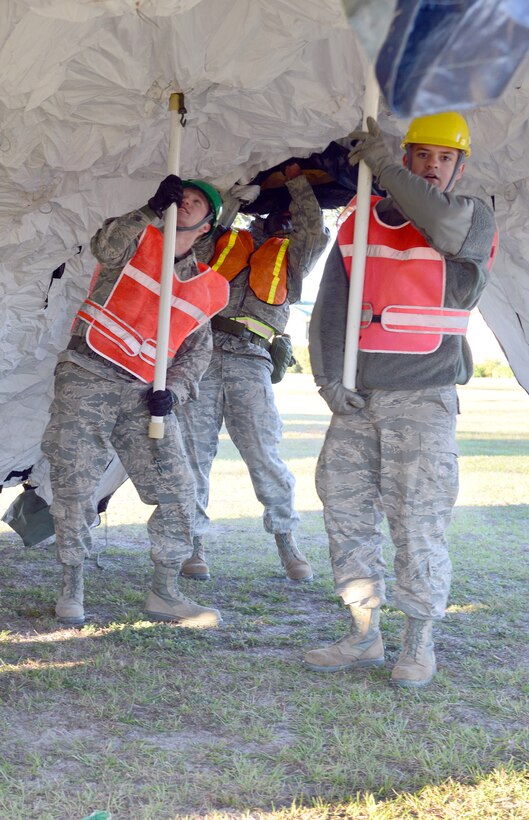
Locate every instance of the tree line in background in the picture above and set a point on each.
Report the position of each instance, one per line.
(493, 368)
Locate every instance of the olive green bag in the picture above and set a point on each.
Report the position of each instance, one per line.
(282, 358)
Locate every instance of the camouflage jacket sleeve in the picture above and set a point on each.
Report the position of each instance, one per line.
(192, 357)
(328, 321)
(308, 238)
(117, 239)
(190, 364)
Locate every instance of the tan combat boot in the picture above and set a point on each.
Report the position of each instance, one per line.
(362, 647)
(294, 562)
(165, 602)
(69, 607)
(195, 566)
(416, 664)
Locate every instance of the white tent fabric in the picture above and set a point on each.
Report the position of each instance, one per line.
(84, 88)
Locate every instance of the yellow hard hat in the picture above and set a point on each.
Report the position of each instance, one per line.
(448, 128)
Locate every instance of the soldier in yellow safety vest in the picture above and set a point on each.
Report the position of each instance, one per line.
(265, 267)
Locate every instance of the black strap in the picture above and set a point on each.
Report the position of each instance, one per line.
(80, 345)
(238, 329)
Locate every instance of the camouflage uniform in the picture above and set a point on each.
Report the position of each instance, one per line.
(397, 455)
(236, 387)
(99, 407)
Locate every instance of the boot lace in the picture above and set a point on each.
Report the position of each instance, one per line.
(413, 638)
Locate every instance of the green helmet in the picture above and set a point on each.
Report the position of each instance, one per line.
(212, 196)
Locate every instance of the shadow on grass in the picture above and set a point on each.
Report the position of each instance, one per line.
(486, 544)
(229, 719)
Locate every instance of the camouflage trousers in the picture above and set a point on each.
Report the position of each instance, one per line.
(237, 389)
(395, 457)
(91, 417)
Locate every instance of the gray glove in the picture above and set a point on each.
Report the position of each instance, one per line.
(341, 400)
(370, 147)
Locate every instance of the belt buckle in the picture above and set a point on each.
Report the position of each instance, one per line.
(246, 334)
(367, 315)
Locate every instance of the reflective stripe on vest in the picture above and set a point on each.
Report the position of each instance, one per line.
(404, 289)
(124, 329)
(234, 251)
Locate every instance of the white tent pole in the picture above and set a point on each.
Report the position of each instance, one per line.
(156, 424)
(356, 285)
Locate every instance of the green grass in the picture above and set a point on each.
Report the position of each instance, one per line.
(155, 722)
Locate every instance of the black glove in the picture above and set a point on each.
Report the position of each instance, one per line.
(160, 402)
(170, 190)
(370, 147)
(341, 400)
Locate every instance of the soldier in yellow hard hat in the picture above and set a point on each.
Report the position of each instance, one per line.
(390, 449)
(445, 130)
(449, 129)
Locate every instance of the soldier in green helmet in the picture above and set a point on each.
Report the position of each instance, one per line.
(104, 397)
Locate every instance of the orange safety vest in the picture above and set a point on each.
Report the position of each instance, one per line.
(404, 288)
(234, 251)
(124, 329)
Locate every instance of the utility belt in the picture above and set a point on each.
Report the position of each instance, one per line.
(237, 328)
(80, 345)
(279, 346)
